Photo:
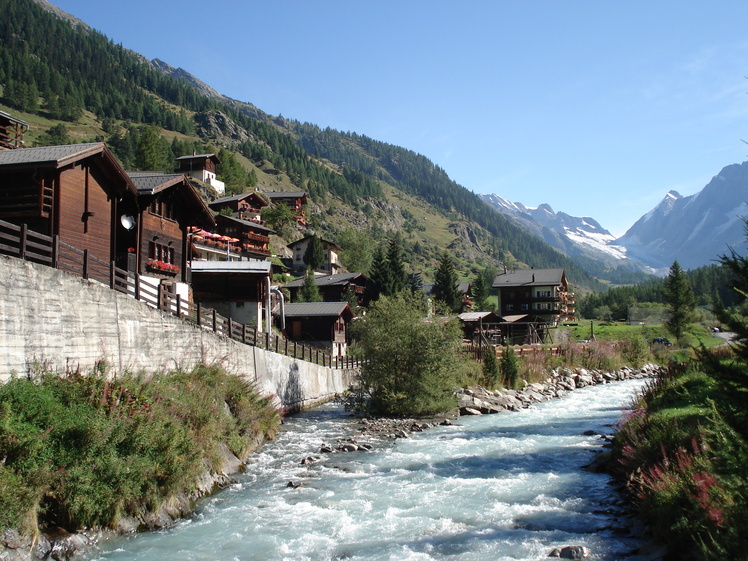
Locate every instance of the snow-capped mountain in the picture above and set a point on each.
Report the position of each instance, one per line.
(693, 230)
(577, 237)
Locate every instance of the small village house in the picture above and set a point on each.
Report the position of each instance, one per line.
(323, 324)
(246, 206)
(239, 290)
(253, 239)
(203, 168)
(295, 200)
(538, 293)
(332, 288)
(78, 192)
(169, 206)
(330, 265)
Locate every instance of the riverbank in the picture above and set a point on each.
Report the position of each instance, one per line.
(85, 456)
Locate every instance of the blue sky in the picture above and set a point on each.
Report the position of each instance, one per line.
(597, 108)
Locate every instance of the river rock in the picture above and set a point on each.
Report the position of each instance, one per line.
(571, 552)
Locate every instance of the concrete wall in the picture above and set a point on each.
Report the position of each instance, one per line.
(65, 322)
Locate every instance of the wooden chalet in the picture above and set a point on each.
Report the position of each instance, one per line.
(202, 167)
(247, 206)
(253, 240)
(481, 327)
(169, 206)
(330, 265)
(324, 324)
(78, 192)
(332, 288)
(239, 290)
(295, 200)
(11, 131)
(541, 293)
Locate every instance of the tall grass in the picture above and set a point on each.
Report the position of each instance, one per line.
(84, 450)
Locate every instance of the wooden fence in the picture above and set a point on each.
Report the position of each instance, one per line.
(19, 241)
(477, 352)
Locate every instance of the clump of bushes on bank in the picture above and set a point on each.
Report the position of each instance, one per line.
(685, 463)
(82, 450)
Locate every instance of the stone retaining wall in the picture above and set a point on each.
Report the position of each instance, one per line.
(64, 323)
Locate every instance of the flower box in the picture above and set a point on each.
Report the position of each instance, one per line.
(161, 267)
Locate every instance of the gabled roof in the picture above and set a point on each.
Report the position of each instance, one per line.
(57, 157)
(9, 117)
(305, 238)
(201, 157)
(153, 182)
(246, 223)
(530, 277)
(338, 279)
(473, 316)
(285, 194)
(318, 309)
(231, 198)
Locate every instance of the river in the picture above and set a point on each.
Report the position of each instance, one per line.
(494, 487)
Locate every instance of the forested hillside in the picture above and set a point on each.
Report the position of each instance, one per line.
(73, 84)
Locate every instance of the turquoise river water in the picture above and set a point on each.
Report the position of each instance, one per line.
(494, 487)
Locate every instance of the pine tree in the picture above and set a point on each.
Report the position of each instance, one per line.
(314, 256)
(509, 366)
(379, 276)
(680, 300)
(445, 284)
(480, 294)
(309, 291)
(398, 276)
(490, 367)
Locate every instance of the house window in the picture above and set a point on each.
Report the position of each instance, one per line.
(161, 252)
(161, 208)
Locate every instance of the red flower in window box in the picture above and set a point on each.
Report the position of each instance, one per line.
(162, 267)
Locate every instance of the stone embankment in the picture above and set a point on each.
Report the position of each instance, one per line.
(479, 401)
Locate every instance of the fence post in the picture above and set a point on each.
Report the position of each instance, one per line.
(267, 340)
(294, 349)
(277, 342)
(244, 333)
(111, 275)
(55, 251)
(254, 343)
(285, 352)
(85, 263)
(22, 245)
(161, 298)
(231, 330)
(179, 305)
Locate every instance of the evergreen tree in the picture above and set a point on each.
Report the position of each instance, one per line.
(314, 256)
(55, 136)
(480, 294)
(309, 291)
(153, 152)
(509, 366)
(357, 250)
(398, 276)
(379, 277)
(490, 367)
(445, 284)
(680, 301)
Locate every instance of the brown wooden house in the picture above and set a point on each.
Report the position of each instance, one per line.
(321, 323)
(247, 206)
(295, 200)
(169, 206)
(202, 167)
(11, 131)
(332, 288)
(254, 239)
(79, 192)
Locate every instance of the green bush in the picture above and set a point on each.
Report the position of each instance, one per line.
(84, 450)
(411, 366)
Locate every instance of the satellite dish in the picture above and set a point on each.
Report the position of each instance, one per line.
(127, 221)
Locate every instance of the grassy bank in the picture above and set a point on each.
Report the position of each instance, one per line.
(685, 462)
(82, 451)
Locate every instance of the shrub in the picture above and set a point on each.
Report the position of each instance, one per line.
(411, 363)
(84, 450)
